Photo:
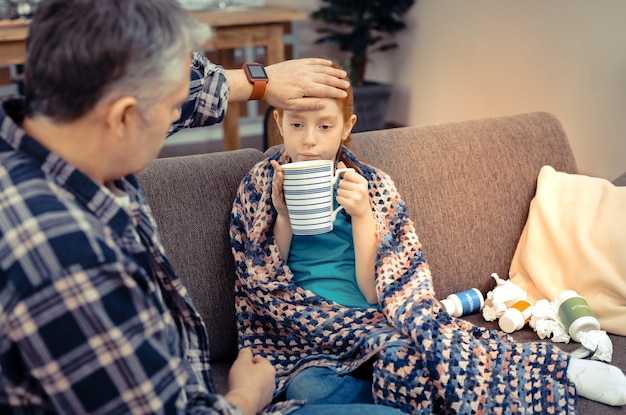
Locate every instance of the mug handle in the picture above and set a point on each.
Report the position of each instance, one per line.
(338, 172)
(333, 216)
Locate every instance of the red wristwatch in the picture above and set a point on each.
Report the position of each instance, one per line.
(255, 72)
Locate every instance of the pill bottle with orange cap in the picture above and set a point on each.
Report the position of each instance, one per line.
(516, 316)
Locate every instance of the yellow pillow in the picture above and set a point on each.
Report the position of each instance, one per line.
(575, 238)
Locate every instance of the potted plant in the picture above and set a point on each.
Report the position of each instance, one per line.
(361, 27)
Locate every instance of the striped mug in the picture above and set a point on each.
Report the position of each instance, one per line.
(308, 189)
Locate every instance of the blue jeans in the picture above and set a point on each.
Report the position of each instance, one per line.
(350, 409)
(320, 385)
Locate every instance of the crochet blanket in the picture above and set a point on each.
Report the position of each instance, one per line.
(424, 360)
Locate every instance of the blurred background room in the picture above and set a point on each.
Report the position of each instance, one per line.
(455, 60)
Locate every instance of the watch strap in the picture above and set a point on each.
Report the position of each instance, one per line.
(259, 86)
(258, 89)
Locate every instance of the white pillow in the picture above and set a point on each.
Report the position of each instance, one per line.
(575, 238)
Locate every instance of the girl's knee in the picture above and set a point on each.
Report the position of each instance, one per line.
(312, 384)
(322, 385)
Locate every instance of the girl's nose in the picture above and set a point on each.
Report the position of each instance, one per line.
(309, 137)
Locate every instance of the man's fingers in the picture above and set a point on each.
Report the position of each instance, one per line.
(245, 352)
(304, 104)
(324, 81)
(309, 103)
(322, 84)
(334, 73)
(324, 66)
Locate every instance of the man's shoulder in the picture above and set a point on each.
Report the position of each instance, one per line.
(43, 229)
(16, 167)
(23, 184)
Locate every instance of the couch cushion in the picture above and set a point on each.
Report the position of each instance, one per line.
(620, 181)
(192, 212)
(468, 186)
(574, 238)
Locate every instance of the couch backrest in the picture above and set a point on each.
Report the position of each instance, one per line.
(468, 186)
(191, 198)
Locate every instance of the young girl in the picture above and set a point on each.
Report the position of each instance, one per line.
(338, 265)
(351, 316)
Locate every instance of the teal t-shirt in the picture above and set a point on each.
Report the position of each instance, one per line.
(324, 264)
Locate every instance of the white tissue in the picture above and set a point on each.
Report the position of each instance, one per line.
(545, 319)
(599, 341)
(500, 298)
(546, 322)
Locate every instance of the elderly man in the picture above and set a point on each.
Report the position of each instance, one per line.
(93, 319)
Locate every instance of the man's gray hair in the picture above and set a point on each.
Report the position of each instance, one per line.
(80, 52)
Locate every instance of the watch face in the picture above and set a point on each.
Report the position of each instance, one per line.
(257, 72)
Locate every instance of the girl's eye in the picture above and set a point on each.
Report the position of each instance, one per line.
(325, 127)
(296, 125)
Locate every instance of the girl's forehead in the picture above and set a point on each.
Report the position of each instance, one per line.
(331, 109)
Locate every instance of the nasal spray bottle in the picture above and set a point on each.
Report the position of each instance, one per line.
(464, 303)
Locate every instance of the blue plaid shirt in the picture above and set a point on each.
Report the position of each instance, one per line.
(93, 319)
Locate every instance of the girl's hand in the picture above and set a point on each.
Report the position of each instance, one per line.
(353, 193)
(282, 227)
(278, 197)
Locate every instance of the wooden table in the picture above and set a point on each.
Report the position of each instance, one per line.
(263, 26)
(12, 39)
(234, 28)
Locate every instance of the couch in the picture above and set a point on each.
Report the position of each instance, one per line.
(467, 186)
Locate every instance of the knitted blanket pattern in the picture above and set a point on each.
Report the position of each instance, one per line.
(424, 360)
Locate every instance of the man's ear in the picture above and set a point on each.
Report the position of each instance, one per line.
(347, 128)
(122, 113)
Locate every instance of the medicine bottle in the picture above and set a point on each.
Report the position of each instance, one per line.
(464, 303)
(516, 316)
(576, 314)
